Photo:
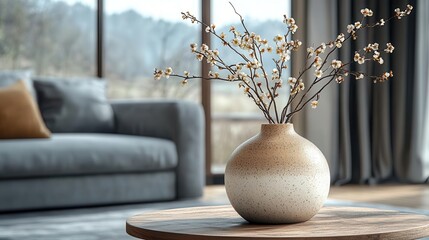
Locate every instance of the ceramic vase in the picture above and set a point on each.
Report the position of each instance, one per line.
(277, 177)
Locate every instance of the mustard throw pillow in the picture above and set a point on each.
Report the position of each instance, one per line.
(19, 114)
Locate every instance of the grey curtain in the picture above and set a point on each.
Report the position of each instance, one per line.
(369, 132)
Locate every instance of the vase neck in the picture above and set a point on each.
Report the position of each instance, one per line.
(277, 129)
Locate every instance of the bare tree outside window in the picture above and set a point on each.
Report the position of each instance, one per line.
(139, 37)
(54, 38)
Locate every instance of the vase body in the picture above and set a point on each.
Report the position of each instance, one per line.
(277, 177)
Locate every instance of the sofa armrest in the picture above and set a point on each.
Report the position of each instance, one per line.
(179, 121)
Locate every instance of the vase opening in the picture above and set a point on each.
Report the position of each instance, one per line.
(275, 129)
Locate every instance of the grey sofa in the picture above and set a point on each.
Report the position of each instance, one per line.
(155, 154)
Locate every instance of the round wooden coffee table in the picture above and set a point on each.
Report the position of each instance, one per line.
(222, 222)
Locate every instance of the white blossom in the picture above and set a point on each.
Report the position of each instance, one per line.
(356, 56)
(371, 47)
(377, 57)
(310, 51)
(339, 79)
(168, 71)
(318, 73)
(298, 88)
(238, 66)
(204, 47)
(199, 57)
(242, 75)
(285, 56)
(386, 74)
(320, 49)
(213, 74)
(246, 90)
(301, 85)
(366, 12)
(278, 38)
(314, 104)
(358, 25)
(158, 74)
(409, 8)
(360, 76)
(336, 64)
(235, 41)
(256, 64)
(293, 28)
(275, 74)
(341, 37)
(389, 48)
(291, 81)
(350, 28)
(317, 62)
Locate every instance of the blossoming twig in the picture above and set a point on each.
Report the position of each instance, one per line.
(251, 48)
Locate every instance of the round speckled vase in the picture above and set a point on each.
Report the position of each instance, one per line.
(277, 177)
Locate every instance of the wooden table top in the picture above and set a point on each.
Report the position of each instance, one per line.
(222, 222)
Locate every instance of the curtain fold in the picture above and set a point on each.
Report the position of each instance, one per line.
(421, 143)
(424, 73)
(369, 132)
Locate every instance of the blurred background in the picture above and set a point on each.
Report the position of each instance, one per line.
(130, 38)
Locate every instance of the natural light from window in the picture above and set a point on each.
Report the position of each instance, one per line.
(53, 38)
(143, 35)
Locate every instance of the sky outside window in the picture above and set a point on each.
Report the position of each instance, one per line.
(170, 9)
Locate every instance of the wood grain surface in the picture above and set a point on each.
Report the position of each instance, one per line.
(222, 222)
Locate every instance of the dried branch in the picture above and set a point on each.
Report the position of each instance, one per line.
(248, 43)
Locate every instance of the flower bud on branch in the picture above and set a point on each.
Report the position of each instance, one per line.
(250, 71)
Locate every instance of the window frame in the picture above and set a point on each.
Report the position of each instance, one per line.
(206, 95)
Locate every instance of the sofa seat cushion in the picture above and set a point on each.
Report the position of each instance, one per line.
(82, 154)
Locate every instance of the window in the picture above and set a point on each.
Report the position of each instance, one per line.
(142, 36)
(55, 38)
(235, 117)
(59, 38)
